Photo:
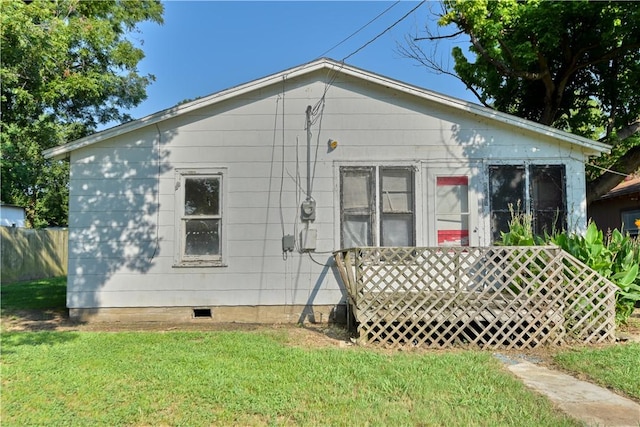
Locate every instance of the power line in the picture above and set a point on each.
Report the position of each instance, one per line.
(359, 29)
(387, 29)
(335, 73)
(607, 170)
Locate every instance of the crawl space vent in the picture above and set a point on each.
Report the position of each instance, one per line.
(200, 313)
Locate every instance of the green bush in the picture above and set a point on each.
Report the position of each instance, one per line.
(616, 257)
(520, 230)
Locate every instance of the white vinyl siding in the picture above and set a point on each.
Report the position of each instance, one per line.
(125, 214)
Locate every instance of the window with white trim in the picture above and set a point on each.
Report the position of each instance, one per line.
(538, 190)
(199, 215)
(377, 206)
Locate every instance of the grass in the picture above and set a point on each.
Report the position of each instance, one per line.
(34, 295)
(251, 378)
(616, 367)
(258, 378)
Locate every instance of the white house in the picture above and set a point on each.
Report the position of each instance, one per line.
(12, 215)
(229, 207)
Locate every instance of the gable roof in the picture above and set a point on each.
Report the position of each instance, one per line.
(594, 147)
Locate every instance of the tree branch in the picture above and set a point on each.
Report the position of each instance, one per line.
(501, 66)
(433, 38)
(630, 129)
(624, 133)
(613, 54)
(416, 53)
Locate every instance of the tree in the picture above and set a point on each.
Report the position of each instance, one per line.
(571, 65)
(67, 66)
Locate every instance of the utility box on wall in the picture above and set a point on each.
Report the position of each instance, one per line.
(288, 243)
(308, 210)
(308, 238)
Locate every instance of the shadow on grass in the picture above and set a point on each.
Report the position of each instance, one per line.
(37, 294)
(12, 340)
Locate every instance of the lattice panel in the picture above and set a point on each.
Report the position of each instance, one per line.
(494, 297)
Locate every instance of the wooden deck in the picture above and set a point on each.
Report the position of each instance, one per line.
(495, 297)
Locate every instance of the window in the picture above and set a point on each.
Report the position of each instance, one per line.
(507, 187)
(630, 220)
(548, 199)
(377, 206)
(538, 190)
(199, 216)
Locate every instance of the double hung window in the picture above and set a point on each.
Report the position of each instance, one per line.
(377, 206)
(538, 190)
(200, 217)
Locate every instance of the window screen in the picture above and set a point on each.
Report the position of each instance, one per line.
(548, 200)
(377, 206)
(544, 198)
(506, 187)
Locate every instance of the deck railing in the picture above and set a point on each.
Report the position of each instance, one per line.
(489, 297)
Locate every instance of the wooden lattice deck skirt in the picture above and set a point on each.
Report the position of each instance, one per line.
(496, 297)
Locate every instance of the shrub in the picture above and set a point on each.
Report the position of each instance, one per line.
(616, 257)
(520, 230)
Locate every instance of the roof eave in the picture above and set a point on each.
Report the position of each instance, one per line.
(592, 147)
(62, 151)
(595, 146)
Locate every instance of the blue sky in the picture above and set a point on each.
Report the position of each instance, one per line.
(207, 46)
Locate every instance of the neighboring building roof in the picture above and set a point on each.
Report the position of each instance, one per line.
(330, 65)
(628, 186)
(9, 205)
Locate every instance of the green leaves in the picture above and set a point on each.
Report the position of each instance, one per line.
(67, 66)
(573, 65)
(616, 258)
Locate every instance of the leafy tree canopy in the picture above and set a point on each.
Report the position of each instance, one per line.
(67, 66)
(573, 65)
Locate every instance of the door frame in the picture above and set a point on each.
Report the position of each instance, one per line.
(473, 172)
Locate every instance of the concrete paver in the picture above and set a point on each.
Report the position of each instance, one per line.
(593, 405)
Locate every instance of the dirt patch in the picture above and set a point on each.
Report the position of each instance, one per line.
(308, 335)
(631, 331)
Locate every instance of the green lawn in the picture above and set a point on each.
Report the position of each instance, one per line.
(616, 367)
(34, 295)
(251, 378)
(259, 378)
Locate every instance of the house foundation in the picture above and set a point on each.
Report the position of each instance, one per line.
(214, 314)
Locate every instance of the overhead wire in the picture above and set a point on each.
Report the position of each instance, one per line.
(318, 109)
(359, 29)
(158, 160)
(385, 30)
(608, 170)
(282, 155)
(334, 74)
